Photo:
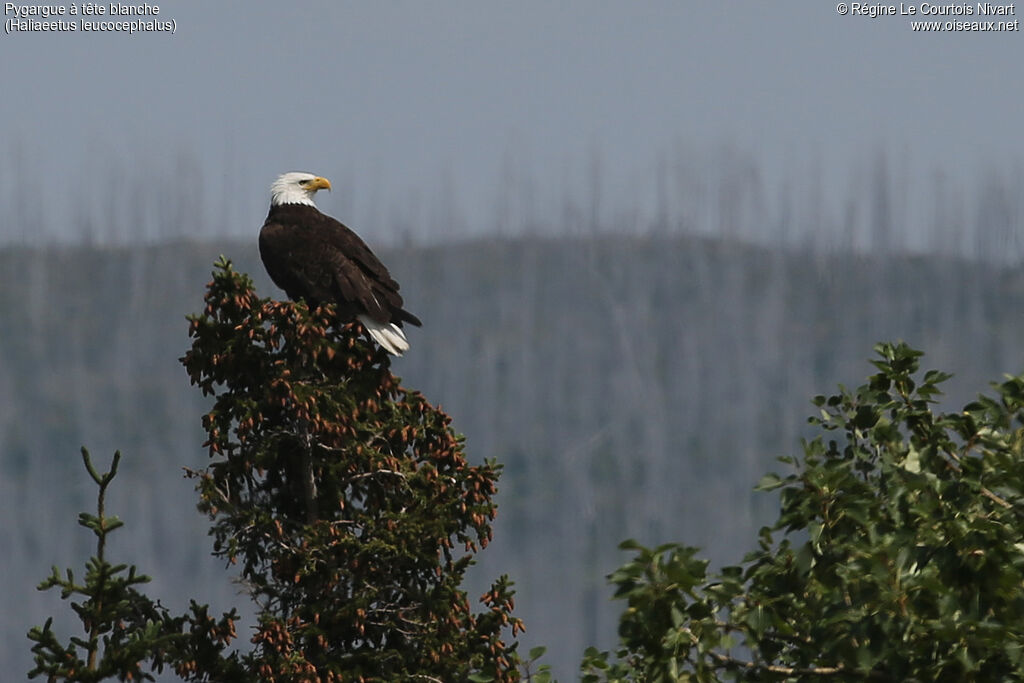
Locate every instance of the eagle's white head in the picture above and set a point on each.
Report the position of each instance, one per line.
(297, 188)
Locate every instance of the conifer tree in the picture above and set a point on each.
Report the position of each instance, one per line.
(344, 499)
(127, 635)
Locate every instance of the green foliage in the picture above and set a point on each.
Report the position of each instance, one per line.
(344, 498)
(900, 559)
(127, 635)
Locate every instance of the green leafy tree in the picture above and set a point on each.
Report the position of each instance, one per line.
(344, 498)
(901, 555)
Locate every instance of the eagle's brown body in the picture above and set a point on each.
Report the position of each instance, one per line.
(314, 257)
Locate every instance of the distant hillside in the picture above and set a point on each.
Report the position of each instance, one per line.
(632, 387)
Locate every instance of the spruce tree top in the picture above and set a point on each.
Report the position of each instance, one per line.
(345, 499)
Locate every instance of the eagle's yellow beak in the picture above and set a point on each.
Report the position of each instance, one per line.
(319, 183)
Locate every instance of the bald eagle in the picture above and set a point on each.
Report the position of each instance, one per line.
(313, 257)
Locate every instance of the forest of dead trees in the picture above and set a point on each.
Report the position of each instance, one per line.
(633, 385)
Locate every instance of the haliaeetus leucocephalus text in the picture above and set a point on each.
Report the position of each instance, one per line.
(313, 257)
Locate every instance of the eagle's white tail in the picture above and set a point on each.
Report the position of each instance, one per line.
(388, 335)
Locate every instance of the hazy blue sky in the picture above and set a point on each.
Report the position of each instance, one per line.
(402, 104)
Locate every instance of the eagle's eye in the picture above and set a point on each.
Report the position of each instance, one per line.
(304, 181)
